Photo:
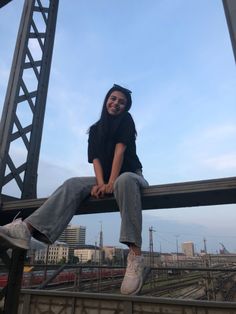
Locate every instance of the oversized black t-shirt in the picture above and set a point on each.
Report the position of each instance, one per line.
(125, 133)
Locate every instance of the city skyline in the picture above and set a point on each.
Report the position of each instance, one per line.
(161, 248)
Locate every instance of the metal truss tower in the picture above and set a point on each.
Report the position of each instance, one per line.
(22, 120)
(23, 112)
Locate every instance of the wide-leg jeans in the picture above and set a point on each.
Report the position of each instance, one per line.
(53, 216)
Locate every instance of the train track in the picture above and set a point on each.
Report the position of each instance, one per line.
(200, 285)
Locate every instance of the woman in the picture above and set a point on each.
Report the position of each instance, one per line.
(112, 150)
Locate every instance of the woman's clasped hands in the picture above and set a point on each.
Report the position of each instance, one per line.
(98, 191)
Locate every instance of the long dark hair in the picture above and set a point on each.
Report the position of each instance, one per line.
(107, 124)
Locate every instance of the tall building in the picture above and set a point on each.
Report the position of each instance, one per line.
(73, 236)
(188, 248)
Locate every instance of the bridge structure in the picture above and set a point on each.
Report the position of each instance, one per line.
(37, 27)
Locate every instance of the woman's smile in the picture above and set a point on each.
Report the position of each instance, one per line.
(116, 103)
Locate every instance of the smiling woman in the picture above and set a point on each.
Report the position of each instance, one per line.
(112, 150)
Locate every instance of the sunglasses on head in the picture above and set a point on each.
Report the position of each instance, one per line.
(122, 88)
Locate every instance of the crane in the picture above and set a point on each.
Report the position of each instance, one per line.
(223, 250)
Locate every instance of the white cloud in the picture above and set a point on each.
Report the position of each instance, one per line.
(211, 149)
(221, 162)
(220, 132)
(214, 218)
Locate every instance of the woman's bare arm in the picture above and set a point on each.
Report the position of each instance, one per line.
(98, 190)
(116, 165)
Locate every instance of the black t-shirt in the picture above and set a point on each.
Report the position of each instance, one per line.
(124, 133)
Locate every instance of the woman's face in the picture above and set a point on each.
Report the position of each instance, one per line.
(116, 103)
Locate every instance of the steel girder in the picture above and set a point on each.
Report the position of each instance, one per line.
(230, 13)
(4, 2)
(24, 108)
(22, 119)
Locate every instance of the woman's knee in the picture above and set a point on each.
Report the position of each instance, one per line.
(79, 182)
(70, 182)
(74, 184)
(124, 179)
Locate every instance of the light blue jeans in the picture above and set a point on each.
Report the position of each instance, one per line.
(53, 216)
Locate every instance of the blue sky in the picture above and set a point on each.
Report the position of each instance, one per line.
(176, 57)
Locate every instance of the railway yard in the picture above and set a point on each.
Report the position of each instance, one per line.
(216, 284)
(196, 285)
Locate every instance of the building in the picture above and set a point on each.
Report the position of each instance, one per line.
(188, 248)
(151, 259)
(73, 236)
(53, 254)
(113, 255)
(87, 254)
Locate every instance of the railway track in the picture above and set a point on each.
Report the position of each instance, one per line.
(201, 285)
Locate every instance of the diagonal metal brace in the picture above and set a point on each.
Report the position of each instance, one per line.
(47, 281)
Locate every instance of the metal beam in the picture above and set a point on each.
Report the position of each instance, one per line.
(26, 96)
(14, 282)
(230, 14)
(4, 2)
(173, 195)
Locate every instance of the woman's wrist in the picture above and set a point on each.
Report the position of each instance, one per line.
(100, 183)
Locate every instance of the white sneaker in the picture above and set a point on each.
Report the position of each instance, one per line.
(133, 280)
(15, 235)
